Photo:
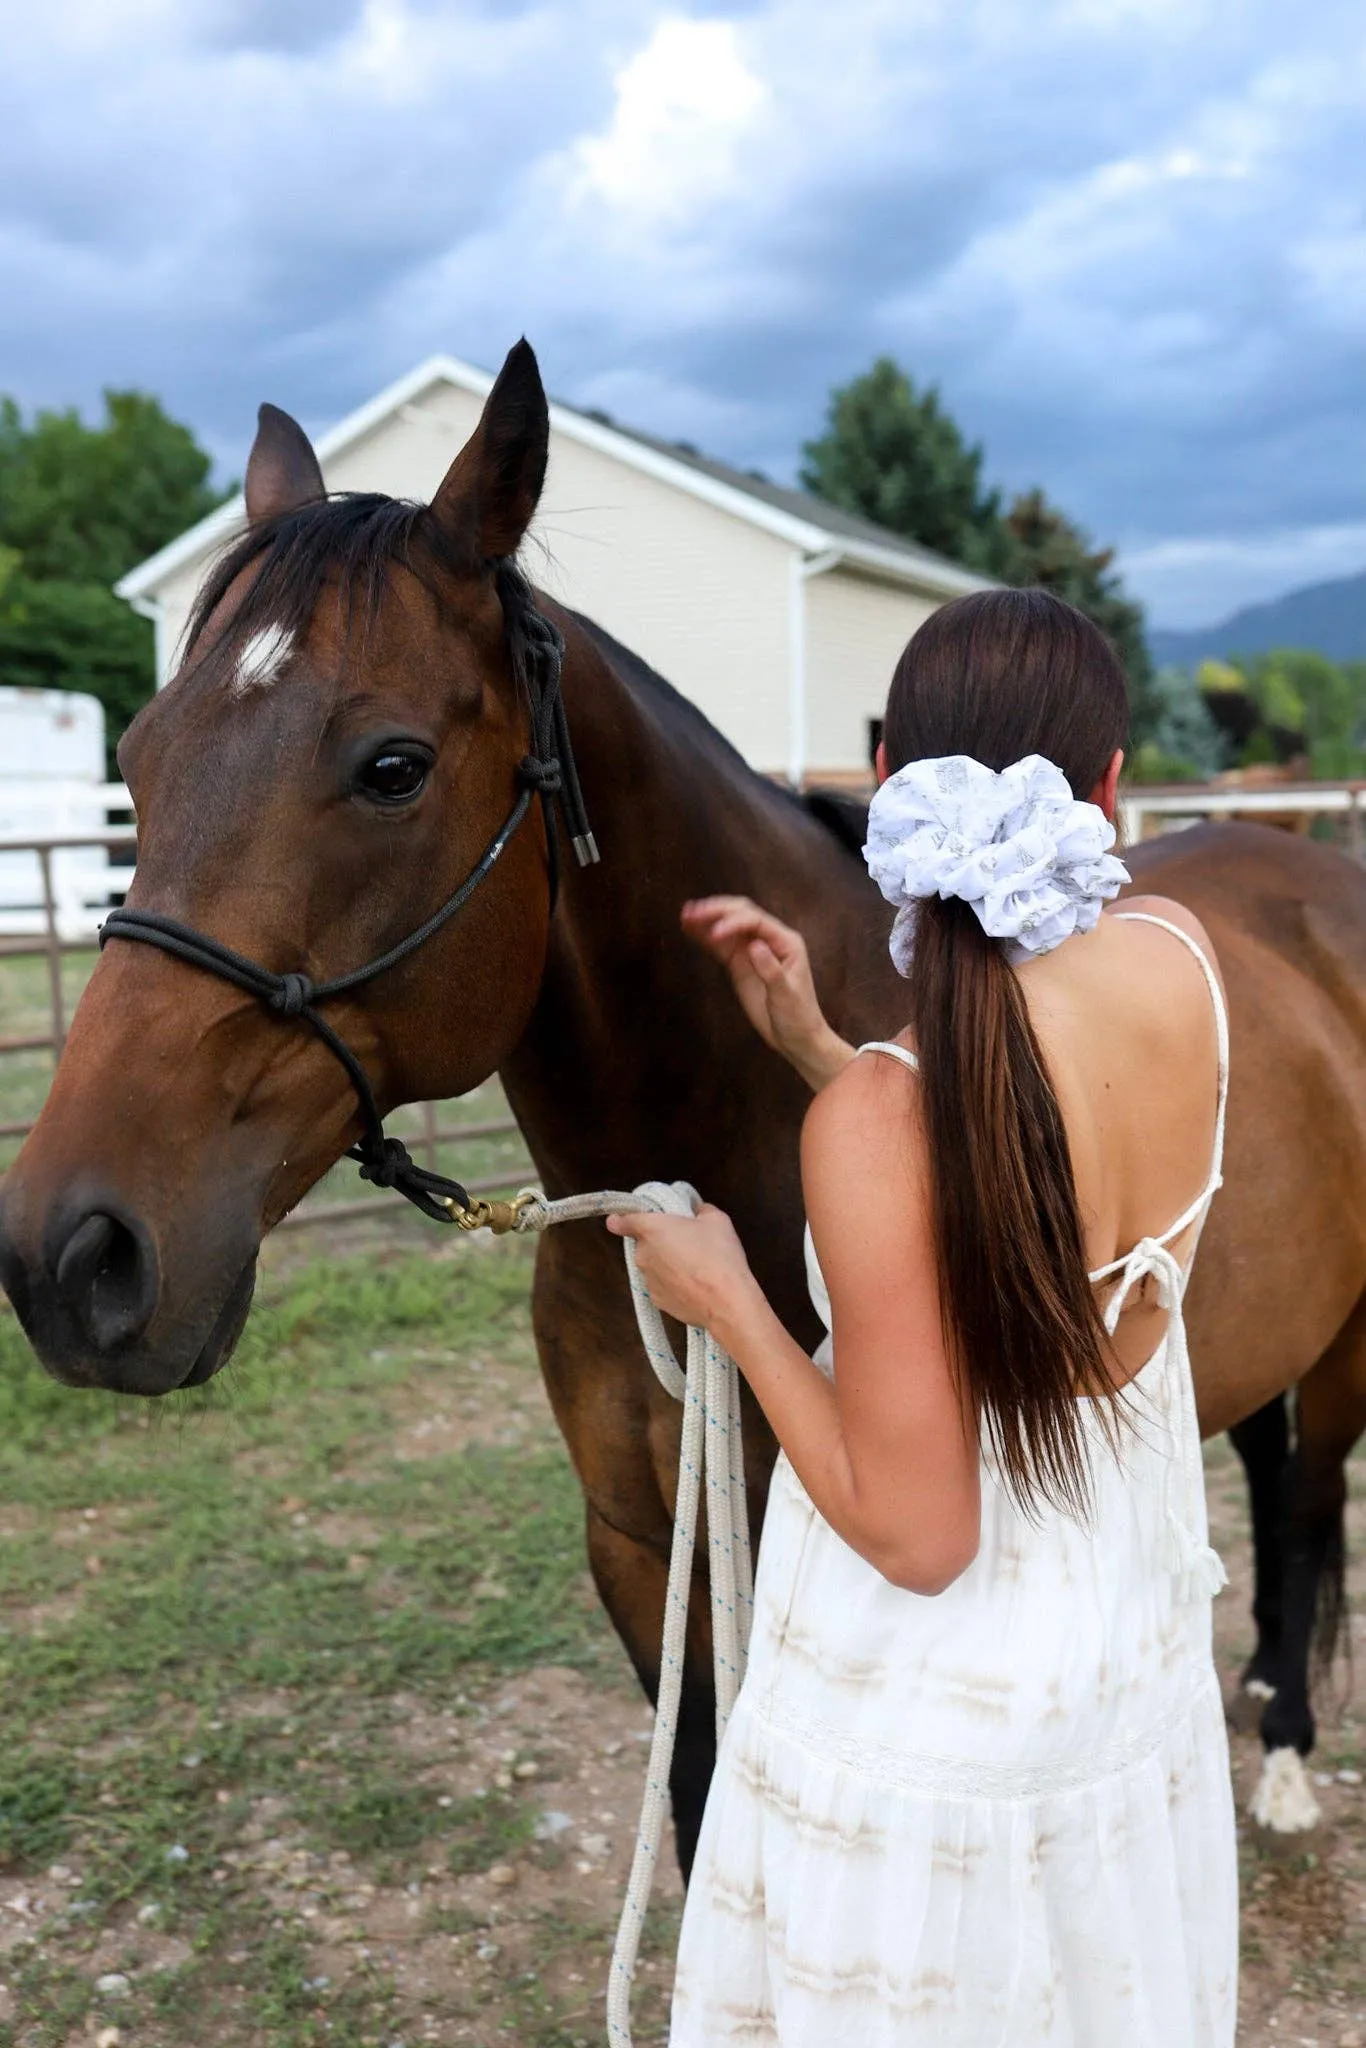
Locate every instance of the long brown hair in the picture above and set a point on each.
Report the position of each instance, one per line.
(999, 675)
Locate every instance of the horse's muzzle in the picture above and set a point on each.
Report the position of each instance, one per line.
(88, 1292)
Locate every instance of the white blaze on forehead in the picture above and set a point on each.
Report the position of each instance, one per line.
(263, 654)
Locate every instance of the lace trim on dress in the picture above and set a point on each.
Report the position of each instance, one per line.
(891, 1769)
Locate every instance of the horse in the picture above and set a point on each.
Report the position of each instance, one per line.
(347, 743)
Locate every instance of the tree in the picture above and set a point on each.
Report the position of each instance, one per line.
(59, 635)
(1186, 744)
(1292, 705)
(1049, 549)
(893, 455)
(79, 506)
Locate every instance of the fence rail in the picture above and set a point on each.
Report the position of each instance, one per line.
(56, 842)
(52, 941)
(1185, 803)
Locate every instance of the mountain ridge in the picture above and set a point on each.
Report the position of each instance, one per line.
(1329, 617)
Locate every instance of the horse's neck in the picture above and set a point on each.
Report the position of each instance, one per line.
(638, 1062)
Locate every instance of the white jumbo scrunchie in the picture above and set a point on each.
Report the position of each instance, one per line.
(1034, 862)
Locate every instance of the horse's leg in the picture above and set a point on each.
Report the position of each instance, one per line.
(1330, 1416)
(631, 1577)
(1262, 1441)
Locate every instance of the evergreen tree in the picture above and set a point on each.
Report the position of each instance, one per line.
(893, 455)
(1048, 549)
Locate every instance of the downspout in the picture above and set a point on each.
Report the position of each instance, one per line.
(801, 569)
(151, 608)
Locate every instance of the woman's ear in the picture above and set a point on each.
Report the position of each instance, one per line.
(1105, 795)
(880, 764)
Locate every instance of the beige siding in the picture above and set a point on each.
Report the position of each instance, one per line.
(855, 630)
(702, 596)
(698, 594)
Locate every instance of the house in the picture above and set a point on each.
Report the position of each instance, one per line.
(781, 617)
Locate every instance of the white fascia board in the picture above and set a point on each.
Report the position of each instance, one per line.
(807, 535)
(934, 578)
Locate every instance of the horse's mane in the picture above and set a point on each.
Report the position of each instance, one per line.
(352, 539)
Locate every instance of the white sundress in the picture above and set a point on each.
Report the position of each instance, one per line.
(1000, 1817)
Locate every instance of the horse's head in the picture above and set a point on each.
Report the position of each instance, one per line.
(338, 748)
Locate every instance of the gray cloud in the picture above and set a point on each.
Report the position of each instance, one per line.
(1121, 234)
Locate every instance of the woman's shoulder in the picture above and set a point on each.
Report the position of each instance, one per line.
(1141, 919)
(865, 1170)
(864, 1116)
(1137, 909)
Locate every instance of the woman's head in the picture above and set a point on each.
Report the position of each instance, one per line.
(1004, 674)
(999, 676)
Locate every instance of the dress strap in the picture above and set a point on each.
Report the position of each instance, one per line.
(1216, 995)
(893, 1052)
(1197, 1566)
(1214, 1182)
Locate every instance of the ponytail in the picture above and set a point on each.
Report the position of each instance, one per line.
(1001, 676)
(1021, 1324)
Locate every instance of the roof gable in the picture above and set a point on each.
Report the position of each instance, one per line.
(805, 522)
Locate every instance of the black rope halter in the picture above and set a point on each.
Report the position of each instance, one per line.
(547, 772)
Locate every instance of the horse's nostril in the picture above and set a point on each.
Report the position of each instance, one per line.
(107, 1277)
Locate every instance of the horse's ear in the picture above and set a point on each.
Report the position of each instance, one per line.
(490, 491)
(282, 470)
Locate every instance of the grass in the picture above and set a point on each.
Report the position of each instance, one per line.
(220, 1618)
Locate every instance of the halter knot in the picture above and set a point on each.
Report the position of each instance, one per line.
(385, 1164)
(544, 777)
(292, 997)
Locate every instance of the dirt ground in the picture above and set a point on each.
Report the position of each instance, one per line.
(378, 1863)
(1303, 1900)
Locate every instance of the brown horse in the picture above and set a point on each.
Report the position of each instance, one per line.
(339, 745)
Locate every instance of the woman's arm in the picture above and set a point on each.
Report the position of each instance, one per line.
(769, 965)
(887, 1452)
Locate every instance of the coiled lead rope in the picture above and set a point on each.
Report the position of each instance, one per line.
(711, 1454)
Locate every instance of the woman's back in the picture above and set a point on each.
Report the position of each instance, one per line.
(1130, 1036)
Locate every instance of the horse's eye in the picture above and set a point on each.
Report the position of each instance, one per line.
(395, 776)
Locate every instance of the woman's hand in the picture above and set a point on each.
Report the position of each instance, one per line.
(694, 1266)
(768, 963)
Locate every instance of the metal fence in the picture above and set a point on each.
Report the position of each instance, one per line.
(64, 923)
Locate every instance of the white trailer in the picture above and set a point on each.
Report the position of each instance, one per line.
(53, 788)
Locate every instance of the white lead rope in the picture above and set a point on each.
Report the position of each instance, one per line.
(711, 1452)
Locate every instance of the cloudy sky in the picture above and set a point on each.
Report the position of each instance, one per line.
(1126, 237)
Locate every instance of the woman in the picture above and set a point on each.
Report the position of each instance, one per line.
(975, 1791)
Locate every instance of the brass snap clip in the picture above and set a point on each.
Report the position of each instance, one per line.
(499, 1217)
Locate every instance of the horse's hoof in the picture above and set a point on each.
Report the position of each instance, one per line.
(1245, 1709)
(1284, 1804)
